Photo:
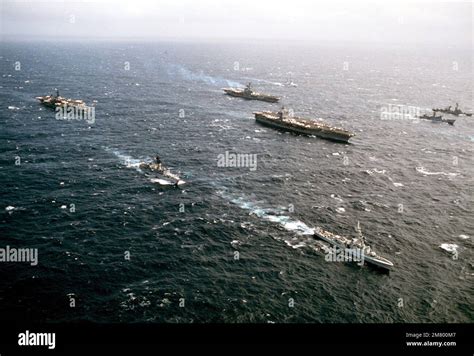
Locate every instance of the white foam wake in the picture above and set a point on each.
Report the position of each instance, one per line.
(126, 160)
(273, 215)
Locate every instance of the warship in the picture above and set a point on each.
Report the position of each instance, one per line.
(456, 111)
(283, 121)
(57, 101)
(355, 246)
(249, 94)
(163, 174)
(435, 118)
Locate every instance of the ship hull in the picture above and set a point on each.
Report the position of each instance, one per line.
(59, 102)
(438, 119)
(319, 132)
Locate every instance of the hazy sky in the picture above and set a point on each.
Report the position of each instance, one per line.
(447, 22)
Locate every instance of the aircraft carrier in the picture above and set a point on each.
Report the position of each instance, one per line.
(249, 94)
(283, 121)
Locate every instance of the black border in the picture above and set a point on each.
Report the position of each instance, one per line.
(371, 338)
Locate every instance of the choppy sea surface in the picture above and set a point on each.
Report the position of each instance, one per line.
(408, 182)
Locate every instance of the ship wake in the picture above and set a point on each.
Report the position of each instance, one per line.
(188, 75)
(303, 234)
(126, 160)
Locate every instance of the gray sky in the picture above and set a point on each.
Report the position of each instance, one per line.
(448, 22)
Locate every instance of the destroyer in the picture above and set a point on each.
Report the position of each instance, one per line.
(435, 118)
(249, 94)
(354, 244)
(456, 111)
(281, 120)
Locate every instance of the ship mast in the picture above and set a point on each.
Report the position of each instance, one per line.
(359, 233)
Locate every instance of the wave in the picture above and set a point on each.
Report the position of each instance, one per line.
(452, 248)
(371, 172)
(422, 170)
(374, 171)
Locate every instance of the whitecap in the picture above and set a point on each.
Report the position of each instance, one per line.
(375, 170)
(424, 171)
(299, 245)
(452, 248)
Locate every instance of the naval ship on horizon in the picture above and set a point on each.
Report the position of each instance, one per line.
(283, 121)
(57, 101)
(249, 94)
(456, 111)
(435, 118)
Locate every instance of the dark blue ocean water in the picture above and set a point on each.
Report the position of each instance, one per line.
(182, 242)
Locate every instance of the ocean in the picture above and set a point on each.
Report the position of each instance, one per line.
(234, 244)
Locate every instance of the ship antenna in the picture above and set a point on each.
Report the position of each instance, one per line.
(359, 232)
